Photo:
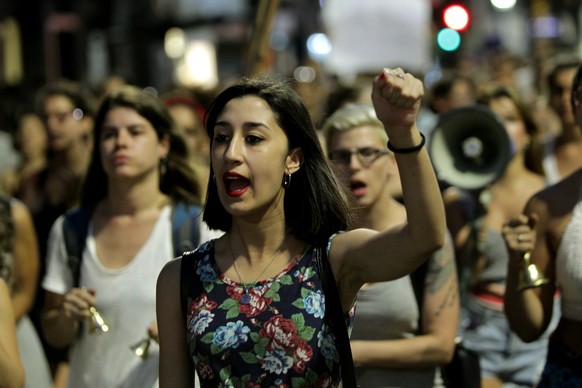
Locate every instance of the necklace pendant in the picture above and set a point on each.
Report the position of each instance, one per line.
(245, 298)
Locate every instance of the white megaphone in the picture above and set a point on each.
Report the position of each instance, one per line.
(470, 147)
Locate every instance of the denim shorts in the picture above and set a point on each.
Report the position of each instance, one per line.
(502, 354)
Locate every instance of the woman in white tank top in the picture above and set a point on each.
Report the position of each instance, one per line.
(138, 171)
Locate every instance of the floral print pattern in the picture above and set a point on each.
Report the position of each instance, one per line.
(6, 242)
(269, 334)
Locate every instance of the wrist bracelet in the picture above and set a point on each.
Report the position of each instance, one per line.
(407, 150)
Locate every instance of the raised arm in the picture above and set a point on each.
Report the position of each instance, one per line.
(440, 313)
(361, 256)
(529, 311)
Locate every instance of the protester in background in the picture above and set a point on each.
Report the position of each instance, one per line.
(31, 142)
(563, 146)
(110, 84)
(11, 368)
(187, 114)
(255, 310)
(450, 92)
(390, 343)
(19, 268)
(549, 231)
(476, 223)
(137, 178)
(66, 110)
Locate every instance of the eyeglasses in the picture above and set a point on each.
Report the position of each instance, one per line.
(366, 156)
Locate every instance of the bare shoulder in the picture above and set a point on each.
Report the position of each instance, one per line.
(169, 276)
(558, 200)
(553, 207)
(20, 212)
(345, 243)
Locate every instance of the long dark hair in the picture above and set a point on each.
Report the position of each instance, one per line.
(315, 205)
(179, 180)
(533, 155)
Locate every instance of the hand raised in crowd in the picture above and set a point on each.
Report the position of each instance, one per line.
(396, 96)
(520, 235)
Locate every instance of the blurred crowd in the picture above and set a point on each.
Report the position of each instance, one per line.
(53, 160)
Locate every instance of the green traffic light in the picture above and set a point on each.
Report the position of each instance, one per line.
(448, 39)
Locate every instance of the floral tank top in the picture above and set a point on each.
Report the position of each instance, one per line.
(270, 334)
(6, 242)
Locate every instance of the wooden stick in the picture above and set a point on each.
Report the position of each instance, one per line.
(257, 52)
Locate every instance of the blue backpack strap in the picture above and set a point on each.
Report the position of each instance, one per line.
(75, 229)
(185, 227)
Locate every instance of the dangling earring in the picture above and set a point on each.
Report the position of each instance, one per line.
(163, 165)
(287, 181)
(214, 178)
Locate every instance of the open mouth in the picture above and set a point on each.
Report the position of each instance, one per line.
(357, 188)
(356, 185)
(235, 185)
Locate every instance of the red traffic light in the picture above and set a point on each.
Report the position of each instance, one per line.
(456, 17)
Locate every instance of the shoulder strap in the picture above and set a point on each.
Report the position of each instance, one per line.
(188, 261)
(185, 227)
(75, 228)
(185, 233)
(334, 310)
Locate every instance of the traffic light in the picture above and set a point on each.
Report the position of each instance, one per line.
(451, 20)
(448, 39)
(456, 17)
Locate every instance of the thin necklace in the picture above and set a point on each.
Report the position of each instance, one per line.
(245, 298)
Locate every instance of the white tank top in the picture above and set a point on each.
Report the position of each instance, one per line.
(569, 266)
(550, 163)
(126, 298)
